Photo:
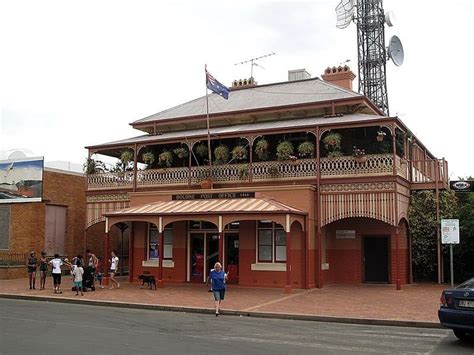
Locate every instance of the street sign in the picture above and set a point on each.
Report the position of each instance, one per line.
(450, 231)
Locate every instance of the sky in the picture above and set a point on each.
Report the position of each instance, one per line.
(76, 73)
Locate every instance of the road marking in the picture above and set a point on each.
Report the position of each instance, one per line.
(278, 300)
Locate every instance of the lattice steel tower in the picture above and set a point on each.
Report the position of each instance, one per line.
(372, 54)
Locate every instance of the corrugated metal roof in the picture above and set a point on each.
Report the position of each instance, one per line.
(248, 127)
(214, 206)
(259, 97)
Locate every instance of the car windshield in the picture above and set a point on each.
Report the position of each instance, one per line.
(467, 284)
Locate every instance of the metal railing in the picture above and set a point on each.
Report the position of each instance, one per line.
(8, 259)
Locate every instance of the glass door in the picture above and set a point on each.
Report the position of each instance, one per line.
(232, 257)
(197, 257)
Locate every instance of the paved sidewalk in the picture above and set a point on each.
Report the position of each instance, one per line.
(413, 305)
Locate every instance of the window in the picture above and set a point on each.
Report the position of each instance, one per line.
(271, 242)
(154, 242)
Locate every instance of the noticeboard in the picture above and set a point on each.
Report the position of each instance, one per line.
(450, 231)
(461, 186)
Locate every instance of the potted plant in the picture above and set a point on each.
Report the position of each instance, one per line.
(274, 171)
(201, 150)
(334, 154)
(261, 149)
(182, 152)
(359, 155)
(239, 153)
(243, 171)
(221, 154)
(148, 158)
(166, 158)
(306, 149)
(380, 135)
(92, 166)
(284, 150)
(206, 183)
(332, 141)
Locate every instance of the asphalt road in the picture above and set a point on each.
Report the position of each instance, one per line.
(38, 327)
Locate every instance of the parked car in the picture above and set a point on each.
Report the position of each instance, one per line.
(457, 310)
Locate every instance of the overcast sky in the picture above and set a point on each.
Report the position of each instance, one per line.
(76, 73)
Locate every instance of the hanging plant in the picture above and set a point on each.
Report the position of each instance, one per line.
(261, 149)
(126, 156)
(221, 154)
(332, 141)
(201, 150)
(284, 150)
(182, 152)
(148, 158)
(166, 158)
(239, 153)
(306, 149)
(380, 135)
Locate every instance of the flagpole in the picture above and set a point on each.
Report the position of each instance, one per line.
(208, 132)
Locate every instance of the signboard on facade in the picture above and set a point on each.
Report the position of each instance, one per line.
(450, 231)
(209, 196)
(345, 234)
(21, 180)
(462, 186)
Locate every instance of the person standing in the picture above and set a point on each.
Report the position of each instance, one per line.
(92, 265)
(218, 278)
(56, 264)
(43, 270)
(78, 272)
(114, 262)
(31, 264)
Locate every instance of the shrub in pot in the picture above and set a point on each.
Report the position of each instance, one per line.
(221, 154)
(306, 149)
(284, 150)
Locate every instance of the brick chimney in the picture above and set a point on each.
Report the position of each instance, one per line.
(341, 76)
(243, 83)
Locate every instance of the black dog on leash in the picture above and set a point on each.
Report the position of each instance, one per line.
(149, 280)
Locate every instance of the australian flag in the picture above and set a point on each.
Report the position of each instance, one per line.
(216, 87)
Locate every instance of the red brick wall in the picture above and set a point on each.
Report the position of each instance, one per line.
(345, 255)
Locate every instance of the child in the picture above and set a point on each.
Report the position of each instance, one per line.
(78, 272)
(99, 273)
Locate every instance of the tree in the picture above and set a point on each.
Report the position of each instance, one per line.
(423, 223)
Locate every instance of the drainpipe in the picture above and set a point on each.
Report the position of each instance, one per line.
(288, 255)
(160, 258)
(135, 170)
(106, 252)
(130, 253)
(319, 274)
(221, 243)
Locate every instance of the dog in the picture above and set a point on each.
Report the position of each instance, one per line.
(149, 280)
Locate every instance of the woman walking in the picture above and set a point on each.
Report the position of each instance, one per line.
(31, 265)
(43, 270)
(56, 263)
(218, 277)
(114, 262)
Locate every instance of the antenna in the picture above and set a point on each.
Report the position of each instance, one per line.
(372, 54)
(253, 63)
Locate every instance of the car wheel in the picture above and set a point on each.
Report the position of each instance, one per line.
(462, 334)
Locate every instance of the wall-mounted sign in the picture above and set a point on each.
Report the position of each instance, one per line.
(450, 231)
(209, 196)
(462, 186)
(345, 234)
(21, 180)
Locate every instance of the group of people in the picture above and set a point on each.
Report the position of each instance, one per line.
(77, 269)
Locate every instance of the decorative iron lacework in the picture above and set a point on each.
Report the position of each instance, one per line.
(108, 197)
(370, 186)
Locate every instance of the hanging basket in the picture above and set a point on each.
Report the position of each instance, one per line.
(206, 184)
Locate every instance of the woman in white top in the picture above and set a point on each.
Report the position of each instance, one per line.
(56, 263)
(114, 262)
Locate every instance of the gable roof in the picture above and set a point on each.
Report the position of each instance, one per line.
(258, 97)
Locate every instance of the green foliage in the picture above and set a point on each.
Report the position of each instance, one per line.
(422, 217)
(243, 171)
(165, 158)
(221, 154)
(332, 141)
(284, 150)
(148, 158)
(239, 153)
(182, 152)
(262, 149)
(201, 150)
(306, 149)
(92, 166)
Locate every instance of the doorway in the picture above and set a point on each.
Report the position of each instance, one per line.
(232, 257)
(204, 249)
(376, 259)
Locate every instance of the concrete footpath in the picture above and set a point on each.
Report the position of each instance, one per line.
(415, 305)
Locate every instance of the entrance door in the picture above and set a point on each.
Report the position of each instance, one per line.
(232, 257)
(212, 252)
(197, 257)
(376, 259)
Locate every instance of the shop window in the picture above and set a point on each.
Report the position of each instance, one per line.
(199, 225)
(271, 242)
(154, 242)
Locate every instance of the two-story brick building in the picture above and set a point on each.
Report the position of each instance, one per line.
(309, 185)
